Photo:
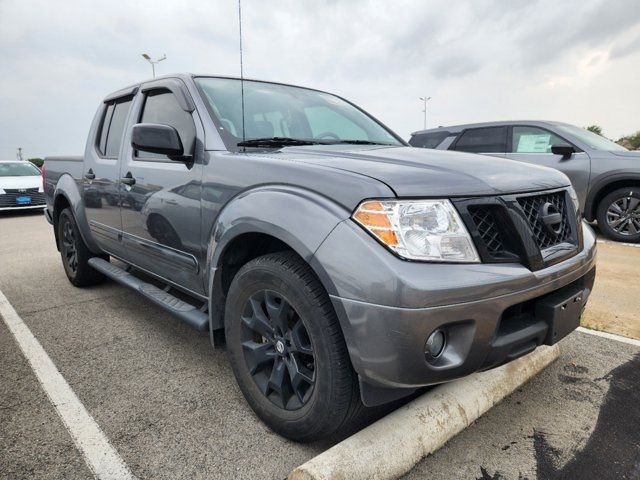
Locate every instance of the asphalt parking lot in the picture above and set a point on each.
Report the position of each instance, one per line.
(170, 406)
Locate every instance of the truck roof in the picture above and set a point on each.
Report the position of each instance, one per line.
(189, 77)
(459, 128)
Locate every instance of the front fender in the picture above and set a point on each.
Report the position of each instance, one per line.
(599, 183)
(300, 218)
(68, 188)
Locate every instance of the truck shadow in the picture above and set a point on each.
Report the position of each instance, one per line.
(613, 450)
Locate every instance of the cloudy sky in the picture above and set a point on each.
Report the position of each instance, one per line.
(574, 60)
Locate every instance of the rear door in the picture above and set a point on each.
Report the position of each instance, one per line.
(161, 198)
(101, 176)
(532, 144)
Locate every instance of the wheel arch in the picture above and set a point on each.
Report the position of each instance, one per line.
(267, 220)
(604, 186)
(67, 194)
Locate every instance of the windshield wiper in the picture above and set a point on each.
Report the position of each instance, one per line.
(276, 142)
(360, 142)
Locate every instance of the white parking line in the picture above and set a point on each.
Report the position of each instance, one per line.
(98, 453)
(610, 336)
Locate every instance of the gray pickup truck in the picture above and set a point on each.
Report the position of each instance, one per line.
(340, 266)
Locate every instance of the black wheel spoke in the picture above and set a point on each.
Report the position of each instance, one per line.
(299, 341)
(258, 321)
(278, 350)
(278, 311)
(258, 354)
(301, 378)
(277, 379)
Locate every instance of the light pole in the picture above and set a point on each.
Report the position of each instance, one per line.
(153, 62)
(424, 109)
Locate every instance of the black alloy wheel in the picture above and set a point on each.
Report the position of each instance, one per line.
(287, 350)
(75, 254)
(277, 350)
(68, 246)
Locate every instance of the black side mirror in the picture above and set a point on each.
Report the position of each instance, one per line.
(565, 150)
(157, 138)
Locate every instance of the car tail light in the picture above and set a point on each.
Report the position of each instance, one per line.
(43, 176)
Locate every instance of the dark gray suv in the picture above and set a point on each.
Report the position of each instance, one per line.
(606, 176)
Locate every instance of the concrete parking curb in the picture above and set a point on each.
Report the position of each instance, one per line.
(393, 445)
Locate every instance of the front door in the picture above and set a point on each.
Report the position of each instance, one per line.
(161, 197)
(101, 176)
(533, 145)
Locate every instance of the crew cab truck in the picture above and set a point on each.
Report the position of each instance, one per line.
(341, 267)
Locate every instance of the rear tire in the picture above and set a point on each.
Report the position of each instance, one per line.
(287, 350)
(618, 215)
(75, 253)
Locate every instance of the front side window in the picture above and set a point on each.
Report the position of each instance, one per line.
(483, 140)
(273, 110)
(162, 107)
(534, 140)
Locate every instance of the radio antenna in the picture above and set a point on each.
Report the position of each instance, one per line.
(241, 69)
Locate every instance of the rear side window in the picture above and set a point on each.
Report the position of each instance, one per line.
(428, 140)
(162, 107)
(112, 128)
(483, 140)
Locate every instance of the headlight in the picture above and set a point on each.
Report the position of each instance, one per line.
(418, 229)
(2, 192)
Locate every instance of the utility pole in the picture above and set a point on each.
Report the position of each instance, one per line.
(424, 109)
(19, 154)
(147, 57)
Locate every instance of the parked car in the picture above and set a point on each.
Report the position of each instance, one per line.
(341, 267)
(605, 175)
(20, 186)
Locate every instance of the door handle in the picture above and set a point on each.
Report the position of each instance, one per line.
(171, 202)
(90, 175)
(128, 179)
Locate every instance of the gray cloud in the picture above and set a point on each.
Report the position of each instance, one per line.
(478, 59)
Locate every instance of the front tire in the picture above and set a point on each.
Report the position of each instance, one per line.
(619, 215)
(287, 350)
(75, 253)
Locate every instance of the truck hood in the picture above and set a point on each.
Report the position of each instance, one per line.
(419, 172)
(21, 182)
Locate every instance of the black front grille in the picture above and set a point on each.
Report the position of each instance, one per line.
(531, 205)
(488, 229)
(9, 199)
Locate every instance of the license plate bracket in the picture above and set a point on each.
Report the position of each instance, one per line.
(561, 310)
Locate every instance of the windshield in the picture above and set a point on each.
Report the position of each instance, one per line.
(273, 110)
(18, 169)
(595, 141)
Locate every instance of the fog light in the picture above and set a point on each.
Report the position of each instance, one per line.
(435, 345)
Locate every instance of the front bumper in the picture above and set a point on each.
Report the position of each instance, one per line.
(23, 207)
(388, 307)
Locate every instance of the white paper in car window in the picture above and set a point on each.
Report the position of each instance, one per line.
(538, 143)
